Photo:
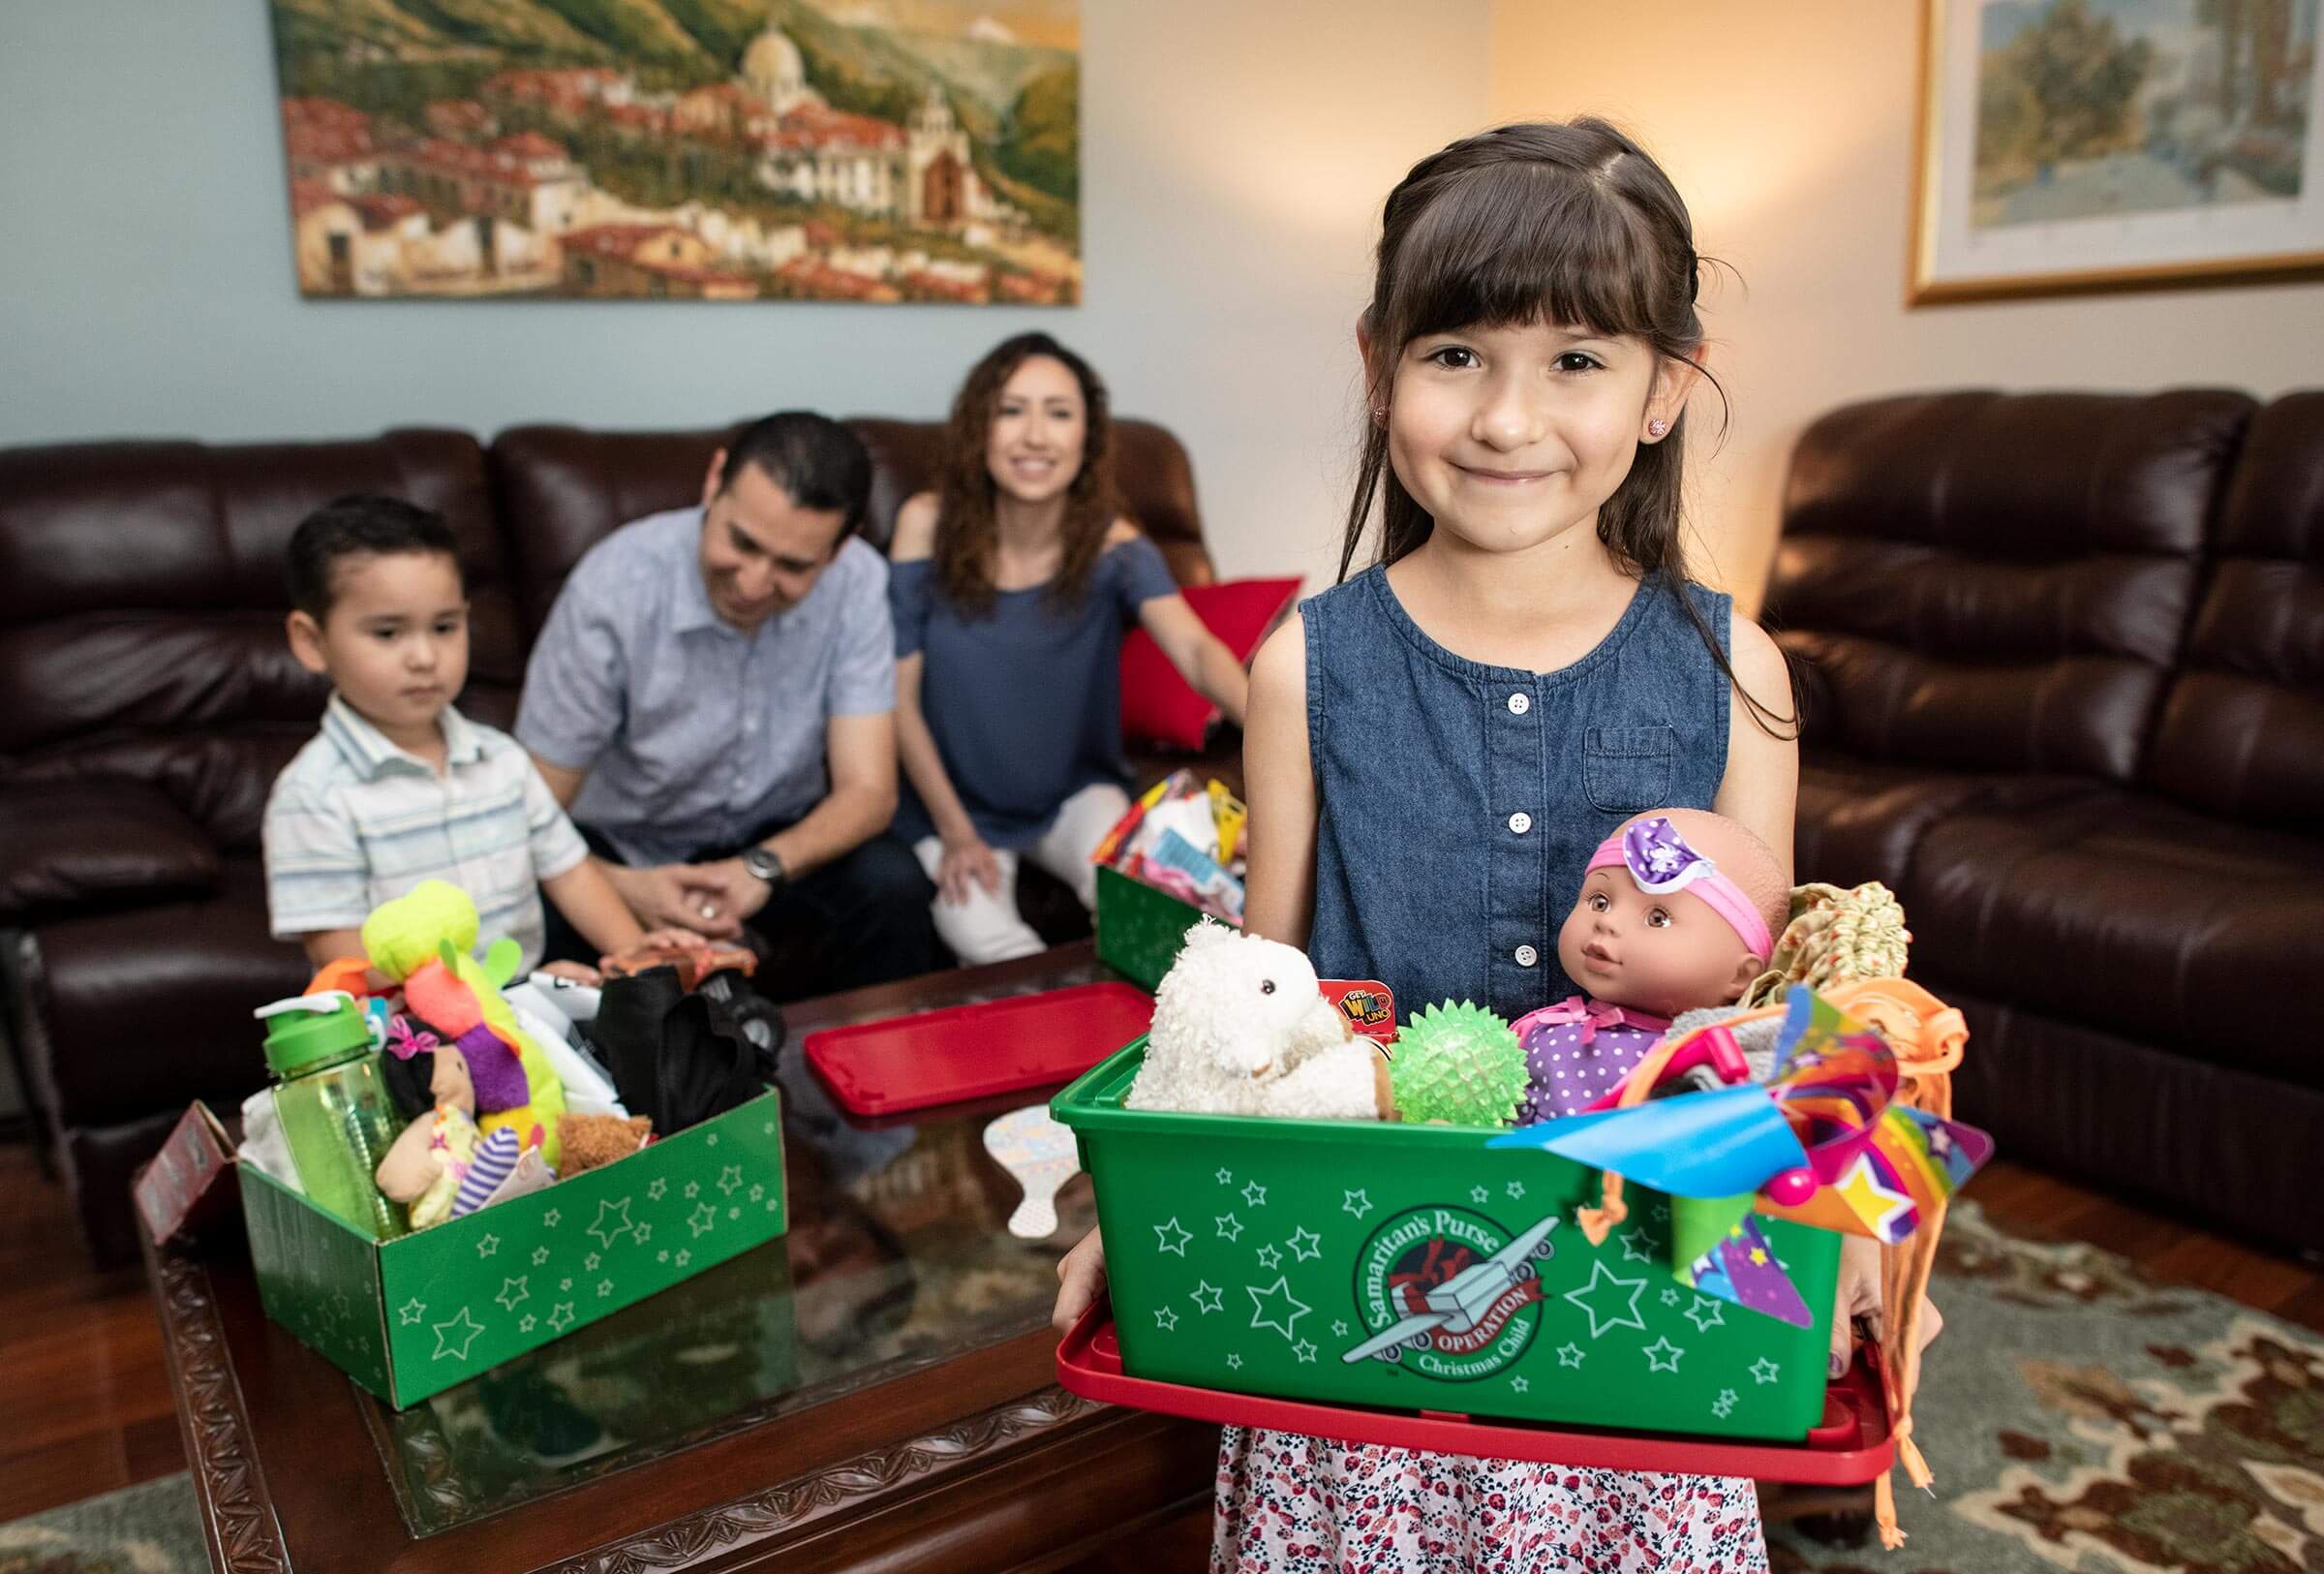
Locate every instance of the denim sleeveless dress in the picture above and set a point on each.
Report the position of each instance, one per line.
(1457, 805)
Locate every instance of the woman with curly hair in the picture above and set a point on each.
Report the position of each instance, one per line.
(1012, 585)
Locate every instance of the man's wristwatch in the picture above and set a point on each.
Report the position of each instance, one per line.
(766, 864)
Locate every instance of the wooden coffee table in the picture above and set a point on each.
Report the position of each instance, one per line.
(873, 1390)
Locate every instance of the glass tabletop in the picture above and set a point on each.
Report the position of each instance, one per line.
(899, 1258)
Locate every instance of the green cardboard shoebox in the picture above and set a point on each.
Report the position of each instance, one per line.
(414, 1316)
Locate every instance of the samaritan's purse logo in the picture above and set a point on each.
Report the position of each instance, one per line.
(1447, 1293)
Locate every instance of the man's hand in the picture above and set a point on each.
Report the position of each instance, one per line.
(728, 887)
(966, 862)
(673, 896)
(1080, 1279)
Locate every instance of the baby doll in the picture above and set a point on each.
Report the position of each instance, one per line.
(440, 1165)
(1677, 911)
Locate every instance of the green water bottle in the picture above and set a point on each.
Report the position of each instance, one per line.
(336, 1116)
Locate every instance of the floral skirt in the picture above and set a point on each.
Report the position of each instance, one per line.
(1289, 1504)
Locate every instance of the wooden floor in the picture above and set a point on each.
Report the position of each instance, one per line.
(85, 1397)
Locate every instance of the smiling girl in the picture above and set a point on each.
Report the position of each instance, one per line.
(1011, 587)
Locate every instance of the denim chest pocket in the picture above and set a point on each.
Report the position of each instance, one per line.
(1625, 769)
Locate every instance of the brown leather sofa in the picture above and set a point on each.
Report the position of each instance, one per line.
(147, 701)
(2063, 658)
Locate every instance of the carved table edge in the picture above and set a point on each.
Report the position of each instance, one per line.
(238, 1519)
(787, 1505)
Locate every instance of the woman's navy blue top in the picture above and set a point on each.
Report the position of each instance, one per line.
(1025, 699)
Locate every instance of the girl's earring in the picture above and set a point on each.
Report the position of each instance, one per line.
(1657, 427)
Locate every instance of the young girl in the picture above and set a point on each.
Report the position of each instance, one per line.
(1436, 746)
(1011, 587)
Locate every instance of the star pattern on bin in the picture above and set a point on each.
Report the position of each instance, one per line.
(1588, 1295)
(513, 1291)
(701, 1220)
(1357, 1202)
(564, 1283)
(1305, 1244)
(658, 1190)
(693, 1189)
(540, 1255)
(684, 1257)
(730, 1179)
(643, 1232)
(1660, 1352)
(411, 1310)
(1230, 1228)
(1518, 1384)
(713, 1139)
(663, 1255)
(1305, 1349)
(758, 1190)
(488, 1246)
(527, 1323)
(1275, 1307)
(1340, 1329)
(1516, 1190)
(561, 1316)
(1725, 1403)
(1670, 1295)
(552, 1217)
(734, 1212)
(1226, 1176)
(591, 1262)
(453, 1338)
(605, 1288)
(1235, 1363)
(1269, 1257)
(1172, 1236)
(1764, 1370)
(1481, 1194)
(1166, 1319)
(1660, 1213)
(1634, 1249)
(1208, 1297)
(1570, 1355)
(1705, 1314)
(612, 1222)
(1254, 1195)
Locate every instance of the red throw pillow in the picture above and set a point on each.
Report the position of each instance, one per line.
(1158, 707)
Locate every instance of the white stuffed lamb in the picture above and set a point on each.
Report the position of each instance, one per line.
(1241, 1027)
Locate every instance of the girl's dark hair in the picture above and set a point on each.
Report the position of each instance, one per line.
(1569, 221)
(968, 527)
(358, 526)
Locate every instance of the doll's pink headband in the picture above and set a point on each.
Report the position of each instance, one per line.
(1661, 864)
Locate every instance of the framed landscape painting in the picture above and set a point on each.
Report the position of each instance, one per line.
(862, 150)
(2114, 144)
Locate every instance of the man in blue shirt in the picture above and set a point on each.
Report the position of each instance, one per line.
(713, 697)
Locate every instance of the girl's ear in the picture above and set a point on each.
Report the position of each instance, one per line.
(1674, 378)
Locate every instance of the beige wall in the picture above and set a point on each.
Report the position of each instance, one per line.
(1789, 127)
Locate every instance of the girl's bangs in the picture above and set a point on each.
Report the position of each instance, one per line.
(1515, 244)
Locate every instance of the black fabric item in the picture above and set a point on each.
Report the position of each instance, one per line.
(676, 1057)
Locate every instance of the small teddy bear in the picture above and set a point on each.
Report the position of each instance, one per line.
(1241, 1027)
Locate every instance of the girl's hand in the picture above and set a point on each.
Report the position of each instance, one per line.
(1861, 1299)
(1080, 1279)
(966, 860)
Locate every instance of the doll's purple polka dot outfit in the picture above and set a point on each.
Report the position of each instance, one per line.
(1579, 1051)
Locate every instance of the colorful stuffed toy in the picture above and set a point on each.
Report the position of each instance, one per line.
(1241, 1027)
(442, 1166)
(424, 941)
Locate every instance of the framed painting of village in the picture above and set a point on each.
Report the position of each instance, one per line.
(2117, 145)
(862, 150)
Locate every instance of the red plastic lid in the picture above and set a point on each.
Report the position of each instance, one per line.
(1850, 1447)
(966, 1052)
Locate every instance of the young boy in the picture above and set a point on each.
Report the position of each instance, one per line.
(399, 786)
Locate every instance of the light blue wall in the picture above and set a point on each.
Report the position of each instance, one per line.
(1235, 158)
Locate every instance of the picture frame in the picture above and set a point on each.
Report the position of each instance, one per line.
(2069, 146)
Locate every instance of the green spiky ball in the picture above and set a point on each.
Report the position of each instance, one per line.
(1459, 1064)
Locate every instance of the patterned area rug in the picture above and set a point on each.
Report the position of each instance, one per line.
(2081, 1416)
(2078, 1416)
(152, 1527)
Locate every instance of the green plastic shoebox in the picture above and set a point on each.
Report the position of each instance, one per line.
(1282, 1258)
(414, 1316)
(1140, 930)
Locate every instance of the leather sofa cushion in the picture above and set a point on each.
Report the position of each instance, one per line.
(1859, 820)
(150, 1009)
(2119, 911)
(2243, 733)
(1999, 583)
(68, 846)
